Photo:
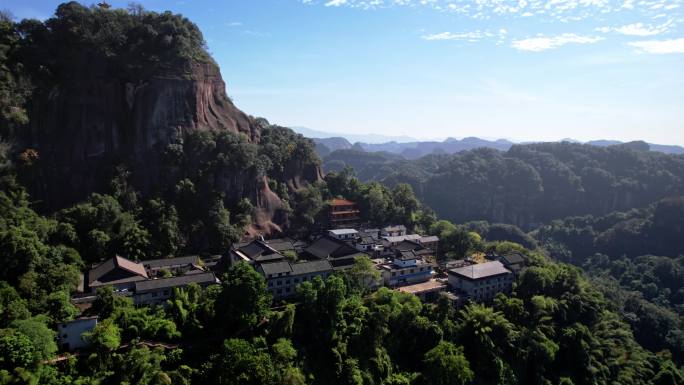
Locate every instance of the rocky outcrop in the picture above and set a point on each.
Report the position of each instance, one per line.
(82, 129)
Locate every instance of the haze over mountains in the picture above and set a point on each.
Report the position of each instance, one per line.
(411, 148)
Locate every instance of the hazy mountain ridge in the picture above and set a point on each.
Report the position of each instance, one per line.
(414, 149)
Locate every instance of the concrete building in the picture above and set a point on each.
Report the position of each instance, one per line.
(369, 244)
(513, 262)
(283, 277)
(176, 266)
(430, 242)
(393, 231)
(70, 333)
(482, 281)
(344, 234)
(427, 291)
(389, 241)
(405, 268)
(340, 254)
(257, 251)
(157, 291)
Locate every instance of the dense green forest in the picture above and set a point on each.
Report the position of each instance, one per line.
(636, 258)
(555, 328)
(529, 184)
(593, 306)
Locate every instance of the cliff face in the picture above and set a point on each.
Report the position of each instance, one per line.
(81, 128)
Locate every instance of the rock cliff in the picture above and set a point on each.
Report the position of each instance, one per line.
(82, 129)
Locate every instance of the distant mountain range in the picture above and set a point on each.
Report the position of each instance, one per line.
(353, 138)
(410, 148)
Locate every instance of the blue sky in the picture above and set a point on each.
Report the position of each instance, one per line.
(524, 70)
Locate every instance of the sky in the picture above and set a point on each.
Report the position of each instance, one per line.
(526, 70)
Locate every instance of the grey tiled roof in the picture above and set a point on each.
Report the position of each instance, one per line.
(394, 228)
(162, 283)
(513, 258)
(276, 267)
(328, 246)
(410, 237)
(480, 270)
(163, 262)
(260, 251)
(310, 267)
(408, 245)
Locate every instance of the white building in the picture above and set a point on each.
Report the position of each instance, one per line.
(393, 231)
(70, 333)
(389, 241)
(481, 282)
(405, 268)
(344, 234)
(158, 291)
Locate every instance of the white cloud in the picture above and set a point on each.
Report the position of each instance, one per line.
(640, 29)
(566, 11)
(469, 36)
(543, 43)
(335, 3)
(234, 24)
(659, 46)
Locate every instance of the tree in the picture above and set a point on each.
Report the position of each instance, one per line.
(16, 350)
(457, 243)
(59, 307)
(445, 364)
(221, 233)
(105, 337)
(406, 204)
(12, 306)
(240, 363)
(244, 300)
(162, 222)
(363, 276)
(42, 338)
(487, 337)
(20, 250)
(143, 366)
(107, 301)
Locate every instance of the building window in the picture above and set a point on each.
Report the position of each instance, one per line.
(279, 282)
(166, 292)
(154, 294)
(270, 283)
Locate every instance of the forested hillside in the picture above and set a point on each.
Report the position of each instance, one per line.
(97, 94)
(637, 258)
(529, 184)
(117, 138)
(555, 328)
